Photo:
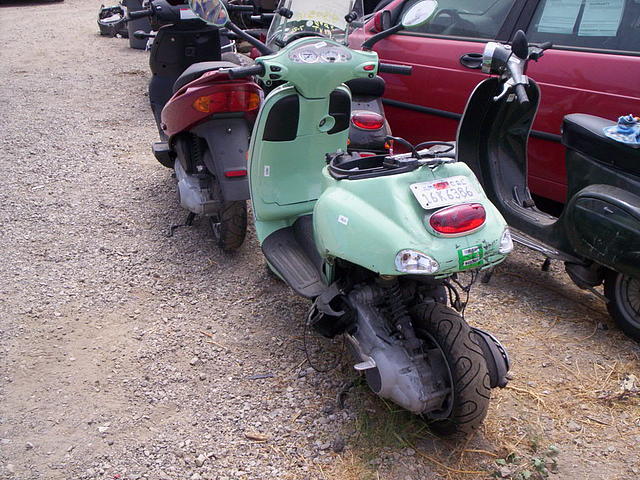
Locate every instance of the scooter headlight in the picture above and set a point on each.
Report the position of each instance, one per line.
(411, 261)
(506, 243)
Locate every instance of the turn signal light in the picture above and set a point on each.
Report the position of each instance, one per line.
(228, 98)
(367, 120)
(458, 219)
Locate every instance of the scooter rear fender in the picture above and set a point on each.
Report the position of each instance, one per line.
(603, 224)
(228, 141)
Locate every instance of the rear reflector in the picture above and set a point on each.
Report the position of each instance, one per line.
(367, 120)
(458, 219)
(235, 173)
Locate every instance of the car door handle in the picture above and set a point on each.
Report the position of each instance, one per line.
(471, 60)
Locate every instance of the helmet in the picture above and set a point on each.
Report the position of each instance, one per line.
(112, 21)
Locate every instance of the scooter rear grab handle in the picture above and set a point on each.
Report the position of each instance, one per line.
(390, 68)
(246, 71)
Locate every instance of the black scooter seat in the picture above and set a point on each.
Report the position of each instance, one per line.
(367, 87)
(584, 133)
(196, 70)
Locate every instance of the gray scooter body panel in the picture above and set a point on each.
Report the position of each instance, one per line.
(228, 141)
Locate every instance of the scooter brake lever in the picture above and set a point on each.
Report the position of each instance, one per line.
(505, 89)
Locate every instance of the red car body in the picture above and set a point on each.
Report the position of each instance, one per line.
(428, 104)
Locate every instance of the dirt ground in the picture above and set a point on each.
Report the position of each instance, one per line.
(126, 354)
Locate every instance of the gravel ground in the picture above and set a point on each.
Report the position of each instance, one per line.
(126, 354)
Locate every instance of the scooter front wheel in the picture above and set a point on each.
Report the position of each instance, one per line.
(623, 295)
(470, 383)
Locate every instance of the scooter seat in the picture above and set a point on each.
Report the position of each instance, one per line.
(196, 70)
(584, 133)
(367, 87)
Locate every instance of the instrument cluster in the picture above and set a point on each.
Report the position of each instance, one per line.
(320, 52)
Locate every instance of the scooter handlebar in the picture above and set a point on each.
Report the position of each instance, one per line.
(521, 93)
(246, 71)
(390, 68)
(135, 15)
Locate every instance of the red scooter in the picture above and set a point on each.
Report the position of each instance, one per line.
(204, 117)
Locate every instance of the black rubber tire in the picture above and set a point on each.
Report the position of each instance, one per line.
(471, 383)
(229, 227)
(623, 293)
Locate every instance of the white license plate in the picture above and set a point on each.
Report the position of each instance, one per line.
(443, 192)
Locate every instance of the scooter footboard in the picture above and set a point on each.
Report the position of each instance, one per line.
(228, 142)
(604, 225)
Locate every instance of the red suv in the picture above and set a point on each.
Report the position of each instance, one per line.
(594, 67)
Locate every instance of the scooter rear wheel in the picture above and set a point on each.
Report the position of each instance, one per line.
(623, 293)
(229, 227)
(471, 383)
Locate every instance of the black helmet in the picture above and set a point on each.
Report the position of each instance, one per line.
(112, 21)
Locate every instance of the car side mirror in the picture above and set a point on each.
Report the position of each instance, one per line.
(417, 15)
(381, 21)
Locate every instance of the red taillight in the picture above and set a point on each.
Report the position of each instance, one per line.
(458, 219)
(229, 98)
(367, 120)
(235, 173)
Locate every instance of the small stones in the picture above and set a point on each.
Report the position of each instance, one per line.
(573, 426)
(200, 460)
(28, 446)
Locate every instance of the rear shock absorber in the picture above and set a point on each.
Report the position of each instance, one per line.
(398, 313)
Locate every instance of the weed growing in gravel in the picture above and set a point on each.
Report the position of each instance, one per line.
(536, 467)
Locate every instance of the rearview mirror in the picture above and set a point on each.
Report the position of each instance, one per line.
(419, 14)
(211, 11)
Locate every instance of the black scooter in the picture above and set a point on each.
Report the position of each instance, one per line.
(597, 236)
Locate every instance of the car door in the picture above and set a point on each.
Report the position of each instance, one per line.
(594, 67)
(428, 104)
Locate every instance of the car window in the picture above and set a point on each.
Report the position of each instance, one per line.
(465, 18)
(597, 24)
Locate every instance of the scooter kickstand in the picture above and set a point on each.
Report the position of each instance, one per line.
(546, 264)
(187, 223)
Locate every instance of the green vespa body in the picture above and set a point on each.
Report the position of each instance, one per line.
(361, 246)
(365, 221)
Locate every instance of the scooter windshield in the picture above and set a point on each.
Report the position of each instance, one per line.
(313, 18)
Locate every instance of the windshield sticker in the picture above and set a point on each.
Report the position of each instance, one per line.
(601, 18)
(559, 16)
(327, 11)
(343, 220)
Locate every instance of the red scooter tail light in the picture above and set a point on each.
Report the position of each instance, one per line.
(235, 173)
(229, 98)
(458, 219)
(367, 120)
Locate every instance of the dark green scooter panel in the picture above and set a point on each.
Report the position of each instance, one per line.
(604, 225)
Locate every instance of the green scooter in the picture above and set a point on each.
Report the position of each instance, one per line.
(373, 242)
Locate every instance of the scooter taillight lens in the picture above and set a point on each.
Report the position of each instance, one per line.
(235, 173)
(228, 98)
(458, 219)
(367, 120)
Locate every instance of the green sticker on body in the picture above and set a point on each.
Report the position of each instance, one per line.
(470, 257)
